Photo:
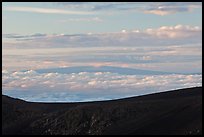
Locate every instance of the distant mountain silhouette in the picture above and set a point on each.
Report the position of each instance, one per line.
(119, 70)
(177, 112)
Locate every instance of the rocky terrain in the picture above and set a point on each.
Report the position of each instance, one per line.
(177, 112)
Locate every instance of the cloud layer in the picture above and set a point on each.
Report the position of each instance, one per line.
(171, 48)
(84, 86)
(166, 8)
(178, 31)
(46, 10)
(88, 8)
(158, 8)
(166, 35)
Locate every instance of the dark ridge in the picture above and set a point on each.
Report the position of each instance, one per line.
(177, 112)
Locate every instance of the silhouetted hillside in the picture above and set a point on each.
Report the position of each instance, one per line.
(172, 112)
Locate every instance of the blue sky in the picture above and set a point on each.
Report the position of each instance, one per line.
(155, 36)
(110, 17)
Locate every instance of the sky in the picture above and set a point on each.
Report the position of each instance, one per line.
(165, 37)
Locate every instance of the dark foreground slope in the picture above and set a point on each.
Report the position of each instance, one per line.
(173, 112)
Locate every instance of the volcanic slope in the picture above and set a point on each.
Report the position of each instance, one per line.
(177, 112)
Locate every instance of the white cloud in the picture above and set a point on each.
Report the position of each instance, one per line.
(166, 8)
(124, 31)
(178, 31)
(89, 86)
(158, 12)
(146, 58)
(46, 10)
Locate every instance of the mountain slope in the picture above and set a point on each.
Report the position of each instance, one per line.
(119, 70)
(172, 112)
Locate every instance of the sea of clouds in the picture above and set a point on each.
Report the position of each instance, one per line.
(89, 86)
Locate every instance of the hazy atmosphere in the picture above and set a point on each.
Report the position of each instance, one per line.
(90, 51)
